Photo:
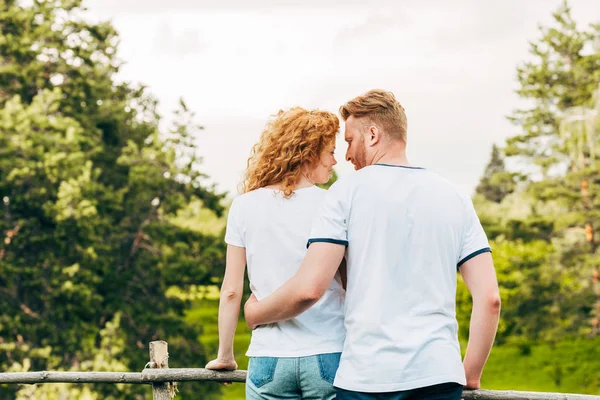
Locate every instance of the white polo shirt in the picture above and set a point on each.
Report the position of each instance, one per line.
(274, 231)
(407, 231)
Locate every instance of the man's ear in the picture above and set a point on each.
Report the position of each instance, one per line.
(374, 136)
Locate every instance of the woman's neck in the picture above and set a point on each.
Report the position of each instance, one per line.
(304, 182)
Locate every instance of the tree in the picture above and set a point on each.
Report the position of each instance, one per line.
(560, 75)
(559, 82)
(580, 130)
(542, 230)
(89, 187)
(497, 182)
(528, 288)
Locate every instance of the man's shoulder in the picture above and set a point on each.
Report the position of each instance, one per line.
(439, 182)
(372, 174)
(346, 185)
(354, 178)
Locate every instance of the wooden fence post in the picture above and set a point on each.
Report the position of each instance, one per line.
(159, 358)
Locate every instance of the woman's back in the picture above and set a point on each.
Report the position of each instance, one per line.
(274, 231)
(267, 232)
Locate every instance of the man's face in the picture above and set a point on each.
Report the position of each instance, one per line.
(357, 152)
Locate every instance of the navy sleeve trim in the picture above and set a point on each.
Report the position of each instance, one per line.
(327, 240)
(467, 258)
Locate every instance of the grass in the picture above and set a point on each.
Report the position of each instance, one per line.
(568, 367)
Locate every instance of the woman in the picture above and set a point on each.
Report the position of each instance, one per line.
(267, 229)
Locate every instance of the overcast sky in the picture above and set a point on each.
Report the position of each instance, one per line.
(451, 64)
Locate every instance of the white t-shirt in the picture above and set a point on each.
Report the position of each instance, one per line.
(274, 231)
(407, 231)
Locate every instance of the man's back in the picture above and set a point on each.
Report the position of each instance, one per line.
(407, 230)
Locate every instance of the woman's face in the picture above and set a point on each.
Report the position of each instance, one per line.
(320, 173)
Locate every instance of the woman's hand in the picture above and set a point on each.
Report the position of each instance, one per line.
(219, 364)
(222, 365)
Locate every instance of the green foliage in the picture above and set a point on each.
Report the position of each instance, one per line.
(497, 182)
(110, 348)
(543, 254)
(111, 236)
(528, 290)
(331, 181)
(198, 218)
(90, 187)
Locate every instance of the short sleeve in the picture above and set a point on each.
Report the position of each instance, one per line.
(331, 223)
(474, 241)
(233, 231)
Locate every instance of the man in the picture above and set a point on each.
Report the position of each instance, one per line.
(404, 232)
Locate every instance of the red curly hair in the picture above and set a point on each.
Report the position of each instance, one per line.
(291, 139)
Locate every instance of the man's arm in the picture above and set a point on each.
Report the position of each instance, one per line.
(480, 277)
(304, 289)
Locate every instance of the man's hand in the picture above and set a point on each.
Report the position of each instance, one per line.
(248, 312)
(473, 383)
(299, 293)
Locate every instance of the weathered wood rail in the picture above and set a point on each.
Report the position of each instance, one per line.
(161, 377)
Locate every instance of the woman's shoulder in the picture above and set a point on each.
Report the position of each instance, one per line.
(249, 197)
(263, 195)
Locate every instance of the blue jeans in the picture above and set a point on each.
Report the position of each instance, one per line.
(309, 378)
(444, 391)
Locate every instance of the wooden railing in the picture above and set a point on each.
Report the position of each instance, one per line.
(162, 378)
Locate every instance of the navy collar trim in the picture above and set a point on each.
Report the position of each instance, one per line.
(399, 166)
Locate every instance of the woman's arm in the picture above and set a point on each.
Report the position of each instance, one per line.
(229, 307)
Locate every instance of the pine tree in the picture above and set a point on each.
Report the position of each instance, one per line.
(497, 182)
(558, 146)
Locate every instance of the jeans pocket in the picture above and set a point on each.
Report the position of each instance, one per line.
(328, 365)
(261, 370)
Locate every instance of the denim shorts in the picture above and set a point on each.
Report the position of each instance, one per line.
(292, 377)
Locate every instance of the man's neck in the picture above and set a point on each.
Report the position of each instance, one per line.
(394, 160)
(392, 157)
(392, 154)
